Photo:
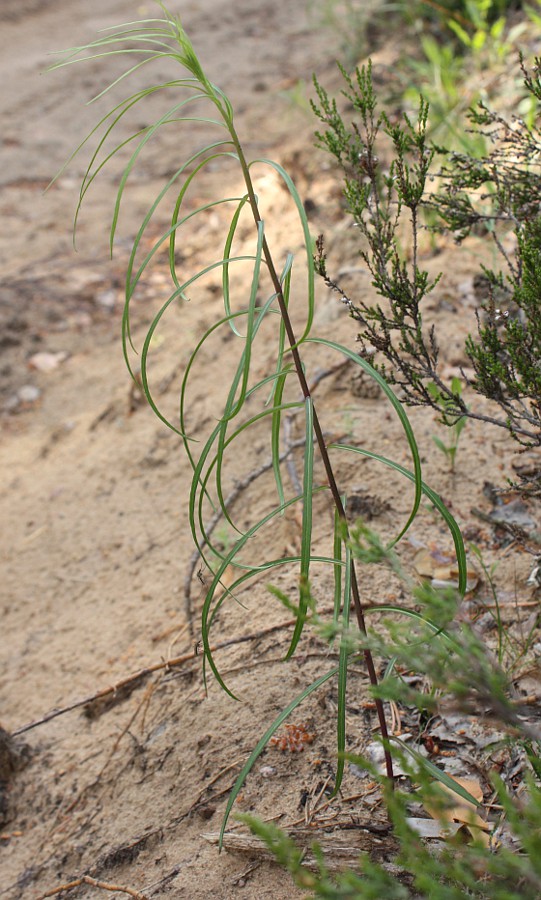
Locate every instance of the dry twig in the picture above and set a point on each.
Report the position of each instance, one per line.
(143, 674)
(86, 879)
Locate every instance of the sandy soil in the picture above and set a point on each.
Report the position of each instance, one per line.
(95, 547)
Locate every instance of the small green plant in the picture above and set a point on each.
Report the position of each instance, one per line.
(498, 192)
(481, 22)
(251, 400)
(297, 98)
(512, 648)
(439, 74)
(448, 48)
(488, 572)
(455, 426)
(350, 21)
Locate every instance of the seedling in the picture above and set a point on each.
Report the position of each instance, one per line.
(455, 427)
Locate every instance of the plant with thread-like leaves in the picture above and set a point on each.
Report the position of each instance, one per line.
(249, 400)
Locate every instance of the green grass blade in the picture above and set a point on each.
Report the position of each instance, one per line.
(91, 176)
(437, 774)
(275, 432)
(419, 617)
(198, 480)
(131, 280)
(262, 743)
(183, 404)
(434, 499)
(131, 163)
(227, 252)
(234, 404)
(310, 292)
(337, 553)
(130, 288)
(306, 536)
(128, 102)
(218, 457)
(154, 325)
(227, 560)
(285, 281)
(253, 571)
(345, 652)
(232, 410)
(404, 421)
(175, 221)
(155, 54)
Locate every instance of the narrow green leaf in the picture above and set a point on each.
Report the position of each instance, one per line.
(337, 553)
(275, 433)
(227, 250)
(306, 535)
(131, 163)
(345, 652)
(218, 458)
(310, 293)
(434, 499)
(176, 222)
(233, 403)
(154, 325)
(398, 408)
(413, 614)
(437, 773)
(229, 558)
(253, 571)
(262, 743)
(183, 405)
(285, 281)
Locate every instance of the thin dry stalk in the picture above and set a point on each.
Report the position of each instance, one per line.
(86, 879)
(143, 674)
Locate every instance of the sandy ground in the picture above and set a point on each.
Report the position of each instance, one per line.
(95, 546)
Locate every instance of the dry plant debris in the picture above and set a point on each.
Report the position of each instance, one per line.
(294, 738)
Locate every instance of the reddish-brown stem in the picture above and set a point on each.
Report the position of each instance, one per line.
(357, 603)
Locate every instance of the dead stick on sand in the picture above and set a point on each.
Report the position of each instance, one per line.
(86, 879)
(142, 674)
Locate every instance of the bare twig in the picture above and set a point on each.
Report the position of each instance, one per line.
(162, 882)
(519, 534)
(338, 850)
(86, 879)
(143, 674)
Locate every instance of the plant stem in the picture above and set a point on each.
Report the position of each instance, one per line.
(357, 603)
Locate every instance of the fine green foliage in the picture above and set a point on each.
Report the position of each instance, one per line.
(474, 23)
(250, 399)
(378, 200)
(458, 870)
(498, 192)
(457, 668)
(447, 48)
